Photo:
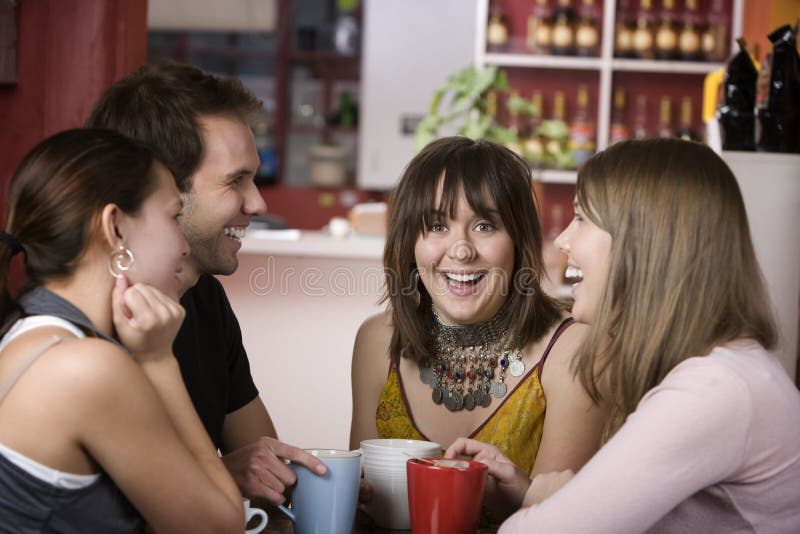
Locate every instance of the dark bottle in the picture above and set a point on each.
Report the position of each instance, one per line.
(563, 37)
(667, 32)
(715, 36)
(738, 101)
(623, 30)
(778, 100)
(665, 118)
(643, 34)
(497, 30)
(618, 130)
(587, 34)
(690, 38)
(540, 28)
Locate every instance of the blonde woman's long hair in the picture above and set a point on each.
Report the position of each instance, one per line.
(683, 275)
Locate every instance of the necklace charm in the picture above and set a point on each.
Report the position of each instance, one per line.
(469, 363)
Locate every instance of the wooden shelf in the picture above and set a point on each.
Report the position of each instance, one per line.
(555, 176)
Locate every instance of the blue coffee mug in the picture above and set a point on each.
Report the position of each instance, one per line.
(326, 504)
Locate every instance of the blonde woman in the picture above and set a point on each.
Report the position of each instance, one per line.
(705, 423)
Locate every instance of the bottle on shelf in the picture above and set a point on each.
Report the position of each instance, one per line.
(689, 39)
(665, 118)
(556, 151)
(540, 28)
(736, 111)
(685, 130)
(623, 30)
(532, 145)
(555, 261)
(618, 130)
(640, 118)
(587, 34)
(715, 36)
(582, 132)
(497, 30)
(514, 126)
(564, 29)
(666, 40)
(643, 31)
(491, 106)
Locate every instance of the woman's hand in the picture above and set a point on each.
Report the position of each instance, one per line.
(145, 319)
(506, 485)
(544, 485)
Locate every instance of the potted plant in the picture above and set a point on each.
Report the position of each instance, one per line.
(471, 110)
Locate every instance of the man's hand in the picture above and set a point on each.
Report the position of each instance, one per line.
(260, 471)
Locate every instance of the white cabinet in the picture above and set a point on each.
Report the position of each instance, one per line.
(606, 66)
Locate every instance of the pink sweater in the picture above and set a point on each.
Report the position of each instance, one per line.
(714, 448)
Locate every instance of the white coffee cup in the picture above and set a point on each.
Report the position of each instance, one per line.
(250, 513)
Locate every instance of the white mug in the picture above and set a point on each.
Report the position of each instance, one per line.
(250, 513)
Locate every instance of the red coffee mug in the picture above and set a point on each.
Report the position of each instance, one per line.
(444, 500)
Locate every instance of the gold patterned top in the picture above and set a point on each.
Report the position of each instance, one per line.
(515, 427)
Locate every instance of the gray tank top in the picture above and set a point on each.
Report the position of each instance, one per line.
(31, 505)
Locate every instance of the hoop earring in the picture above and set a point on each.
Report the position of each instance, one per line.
(120, 261)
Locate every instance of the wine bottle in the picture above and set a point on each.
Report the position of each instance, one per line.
(564, 29)
(532, 145)
(640, 119)
(715, 36)
(778, 100)
(539, 37)
(736, 111)
(623, 30)
(665, 118)
(497, 29)
(689, 39)
(618, 130)
(685, 130)
(666, 40)
(587, 35)
(582, 132)
(643, 33)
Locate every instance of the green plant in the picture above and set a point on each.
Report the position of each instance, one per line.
(463, 103)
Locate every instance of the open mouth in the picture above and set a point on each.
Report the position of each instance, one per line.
(463, 281)
(235, 232)
(573, 275)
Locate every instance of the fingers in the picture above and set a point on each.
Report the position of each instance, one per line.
(364, 491)
(470, 448)
(297, 456)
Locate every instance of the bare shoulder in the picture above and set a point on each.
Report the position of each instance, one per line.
(564, 349)
(373, 337)
(90, 369)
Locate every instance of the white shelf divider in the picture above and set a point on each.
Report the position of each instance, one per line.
(555, 176)
(543, 62)
(661, 66)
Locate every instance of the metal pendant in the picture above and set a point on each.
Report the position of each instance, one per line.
(427, 376)
(469, 401)
(477, 397)
(516, 368)
(454, 402)
(500, 389)
(487, 400)
(437, 395)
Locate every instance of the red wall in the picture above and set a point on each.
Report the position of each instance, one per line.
(68, 52)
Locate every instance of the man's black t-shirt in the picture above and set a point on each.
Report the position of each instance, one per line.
(212, 358)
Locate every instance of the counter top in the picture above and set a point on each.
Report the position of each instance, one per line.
(301, 243)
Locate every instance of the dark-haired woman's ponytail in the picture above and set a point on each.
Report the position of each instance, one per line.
(9, 247)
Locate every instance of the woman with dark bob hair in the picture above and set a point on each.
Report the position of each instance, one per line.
(97, 430)
(705, 423)
(471, 344)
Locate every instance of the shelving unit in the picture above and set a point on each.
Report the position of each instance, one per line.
(606, 67)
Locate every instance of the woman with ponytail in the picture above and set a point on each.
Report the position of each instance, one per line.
(97, 431)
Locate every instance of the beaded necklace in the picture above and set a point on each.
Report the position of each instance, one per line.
(469, 363)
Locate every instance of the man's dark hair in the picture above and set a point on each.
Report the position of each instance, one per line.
(160, 104)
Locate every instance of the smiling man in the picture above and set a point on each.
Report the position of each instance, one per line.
(200, 127)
